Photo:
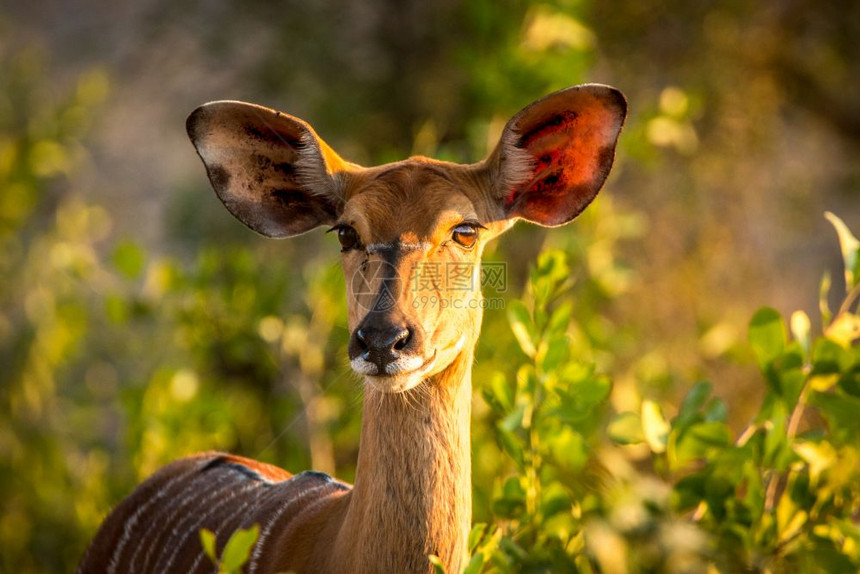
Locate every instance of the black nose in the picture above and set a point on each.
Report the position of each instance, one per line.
(382, 344)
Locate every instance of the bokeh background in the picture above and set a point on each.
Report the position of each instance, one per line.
(140, 322)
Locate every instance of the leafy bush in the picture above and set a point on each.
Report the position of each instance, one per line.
(781, 496)
(116, 358)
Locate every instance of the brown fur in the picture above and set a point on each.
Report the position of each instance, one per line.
(412, 494)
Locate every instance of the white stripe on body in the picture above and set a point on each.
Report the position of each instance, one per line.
(196, 529)
(129, 525)
(261, 501)
(253, 564)
(179, 528)
(151, 535)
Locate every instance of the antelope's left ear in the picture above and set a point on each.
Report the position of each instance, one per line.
(555, 154)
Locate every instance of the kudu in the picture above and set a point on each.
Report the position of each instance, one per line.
(412, 492)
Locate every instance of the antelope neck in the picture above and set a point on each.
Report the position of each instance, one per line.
(412, 493)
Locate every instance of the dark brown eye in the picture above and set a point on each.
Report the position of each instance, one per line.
(347, 236)
(466, 234)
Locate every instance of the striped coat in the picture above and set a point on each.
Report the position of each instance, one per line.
(156, 529)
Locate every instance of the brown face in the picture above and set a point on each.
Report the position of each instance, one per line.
(411, 233)
(412, 239)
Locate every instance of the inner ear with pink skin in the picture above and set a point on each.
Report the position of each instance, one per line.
(556, 153)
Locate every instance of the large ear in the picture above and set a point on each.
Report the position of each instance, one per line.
(555, 154)
(269, 169)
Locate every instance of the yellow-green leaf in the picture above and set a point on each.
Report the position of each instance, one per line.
(800, 329)
(207, 539)
(844, 329)
(850, 247)
(238, 549)
(819, 456)
(626, 428)
(438, 567)
(767, 335)
(521, 325)
(654, 426)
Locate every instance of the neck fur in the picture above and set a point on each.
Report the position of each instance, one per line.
(412, 495)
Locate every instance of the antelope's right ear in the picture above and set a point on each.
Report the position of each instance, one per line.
(271, 171)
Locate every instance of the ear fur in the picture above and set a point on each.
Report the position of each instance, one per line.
(270, 170)
(555, 154)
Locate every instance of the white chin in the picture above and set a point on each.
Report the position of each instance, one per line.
(393, 384)
(401, 375)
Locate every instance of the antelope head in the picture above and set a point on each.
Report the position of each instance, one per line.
(411, 233)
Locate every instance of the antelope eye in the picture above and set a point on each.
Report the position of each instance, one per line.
(466, 234)
(347, 236)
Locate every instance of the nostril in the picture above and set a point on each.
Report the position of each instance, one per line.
(402, 340)
(361, 339)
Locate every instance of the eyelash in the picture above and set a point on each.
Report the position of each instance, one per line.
(466, 233)
(348, 237)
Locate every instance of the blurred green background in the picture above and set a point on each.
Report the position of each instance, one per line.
(139, 322)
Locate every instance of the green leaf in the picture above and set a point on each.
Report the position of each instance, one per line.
(522, 326)
(582, 398)
(767, 335)
(788, 374)
(207, 539)
(829, 357)
(555, 500)
(238, 548)
(716, 411)
(560, 318)
(850, 383)
(800, 328)
(776, 448)
(512, 445)
(551, 270)
(551, 353)
(438, 567)
(569, 450)
(476, 535)
(476, 563)
(654, 426)
(850, 247)
(844, 329)
(508, 507)
(513, 488)
(128, 259)
(701, 440)
(514, 421)
(527, 384)
(500, 394)
(694, 400)
(818, 455)
(626, 428)
(823, 299)
(689, 491)
(842, 411)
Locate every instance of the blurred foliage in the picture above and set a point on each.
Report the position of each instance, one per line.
(236, 551)
(117, 357)
(780, 496)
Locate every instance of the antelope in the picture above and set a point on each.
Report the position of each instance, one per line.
(412, 492)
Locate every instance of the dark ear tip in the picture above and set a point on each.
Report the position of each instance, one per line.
(195, 122)
(619, 101)
(613, 97)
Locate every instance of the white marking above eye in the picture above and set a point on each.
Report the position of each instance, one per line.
(419, 246)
